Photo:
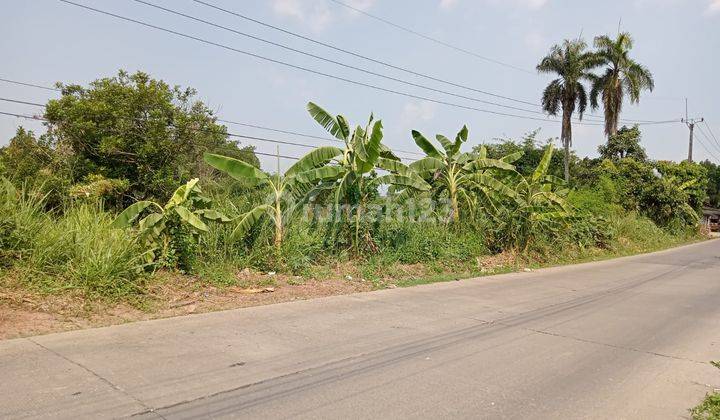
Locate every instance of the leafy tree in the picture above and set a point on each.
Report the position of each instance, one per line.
(623, 76)
(286, 189)
(713, 188)
(624, 143)
(25, 156)
(690, 176)
(137, 129)
(453, 171)
(532, 152)
(33, 163)
(665, 192)
(572, 63)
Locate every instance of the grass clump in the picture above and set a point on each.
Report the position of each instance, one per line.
(709, 408)
(71, 250)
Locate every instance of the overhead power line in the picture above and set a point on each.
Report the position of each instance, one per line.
(707, 137)
(385, 63)
(364, 57)
(15, 82)
(16, 101)
(230, 134)
(432, 39)
(309, 70)
(339, 63)
(701, 132)
(38, 118)
(711, 132)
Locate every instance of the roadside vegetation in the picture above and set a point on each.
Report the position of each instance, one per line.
(709, 408)
(135, 184)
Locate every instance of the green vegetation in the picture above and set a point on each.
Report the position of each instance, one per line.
(170, 232)
(709, 408)
(81, 212)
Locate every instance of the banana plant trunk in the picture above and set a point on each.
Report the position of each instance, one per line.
(278, 226)
(358, 214)
(453, 190)
(455, 207)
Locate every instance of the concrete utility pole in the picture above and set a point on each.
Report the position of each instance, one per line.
(691, 125)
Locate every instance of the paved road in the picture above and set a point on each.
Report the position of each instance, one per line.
(627, 338)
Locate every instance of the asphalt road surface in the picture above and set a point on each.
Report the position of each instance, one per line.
(626, 338)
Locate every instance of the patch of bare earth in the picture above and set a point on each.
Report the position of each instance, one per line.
(26, 313)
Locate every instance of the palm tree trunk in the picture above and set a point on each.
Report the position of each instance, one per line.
(566, 138)
(613, 105)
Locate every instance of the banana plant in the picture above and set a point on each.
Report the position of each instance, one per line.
(187, 206)
(364, 153)
(531, 203)
(287, 190)
(455, 172)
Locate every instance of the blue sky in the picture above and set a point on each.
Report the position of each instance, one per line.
(44, 41)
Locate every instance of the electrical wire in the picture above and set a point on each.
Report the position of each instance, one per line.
(358, 55)
(360, 69)
(703, 145)
(435, 40)
(306, 69)
(230, 134)
(29, 84)
(711, 132)
(329, 60)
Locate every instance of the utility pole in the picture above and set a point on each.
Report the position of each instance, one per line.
(690, 122)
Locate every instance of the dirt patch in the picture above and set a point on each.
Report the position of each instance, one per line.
(492, 263)
(24, 313)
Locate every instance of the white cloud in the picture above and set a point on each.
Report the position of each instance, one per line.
(534, 4)
(317, 14)
(414, 113)
(713, 7)
(447, 4)
(523, 4)
(363, 5)
(314, 14)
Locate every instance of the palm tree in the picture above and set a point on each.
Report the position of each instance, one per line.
(622, 76)
(573, 63)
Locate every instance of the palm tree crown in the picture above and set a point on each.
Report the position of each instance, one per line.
(622, 76)
(572, 63)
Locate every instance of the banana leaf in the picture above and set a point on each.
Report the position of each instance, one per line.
(191, 218)
(237, 169)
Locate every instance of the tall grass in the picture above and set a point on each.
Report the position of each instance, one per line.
(72, 250)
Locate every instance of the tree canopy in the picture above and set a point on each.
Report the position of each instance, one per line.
(624, 143)
(136, 129)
